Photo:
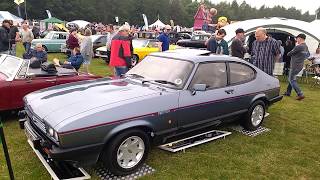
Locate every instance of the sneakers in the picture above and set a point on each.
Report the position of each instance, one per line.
(299, 98)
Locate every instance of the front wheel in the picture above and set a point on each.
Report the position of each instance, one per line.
(127, 152)
(255, 116)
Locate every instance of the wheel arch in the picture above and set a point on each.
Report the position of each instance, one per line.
(262, 97)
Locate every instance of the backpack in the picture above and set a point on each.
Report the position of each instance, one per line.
(49, 67)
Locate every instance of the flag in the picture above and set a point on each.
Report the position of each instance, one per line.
(18, 2)
(48, 13)
(145, 21)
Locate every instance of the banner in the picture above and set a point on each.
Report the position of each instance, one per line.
(48, 13)
(145, 21)
(18, 2)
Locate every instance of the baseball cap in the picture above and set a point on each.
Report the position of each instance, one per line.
(303, 36)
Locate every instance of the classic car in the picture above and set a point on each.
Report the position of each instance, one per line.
(166, 95)
(141, 48)
(17, 79)
(176, 36)
(197, 41)
(52, 41)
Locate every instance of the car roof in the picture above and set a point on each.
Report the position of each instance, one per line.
(195, 55)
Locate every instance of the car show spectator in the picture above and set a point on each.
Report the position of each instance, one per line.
(237, 46)
(120, 57)
(75, 61)
(164, 38)
(86, 49)
(27, 37)
(298, 54)
(280, 57)
(72, 41)
(216, 44)
(315, 59)
(288, 46)
(14, 38)
(264, 51)
(111, 33)
(39, 54)
(4, 37)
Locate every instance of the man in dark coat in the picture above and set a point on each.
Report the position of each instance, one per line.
(4, 37)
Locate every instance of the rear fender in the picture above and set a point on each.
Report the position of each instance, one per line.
(262, 97)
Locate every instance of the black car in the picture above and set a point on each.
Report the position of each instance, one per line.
(176, 36)
(197, 41)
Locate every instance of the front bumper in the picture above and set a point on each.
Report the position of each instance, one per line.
(84, 155)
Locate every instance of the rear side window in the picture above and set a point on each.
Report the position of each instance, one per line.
(240, 73)
(214, 75)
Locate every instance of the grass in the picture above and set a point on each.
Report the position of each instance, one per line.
(289, 151)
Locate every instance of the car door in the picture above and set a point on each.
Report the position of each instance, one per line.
(200, 108)
(23, 86)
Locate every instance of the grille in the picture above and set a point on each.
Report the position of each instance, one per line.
(35, 120)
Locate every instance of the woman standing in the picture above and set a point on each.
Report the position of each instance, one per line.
(86, 49)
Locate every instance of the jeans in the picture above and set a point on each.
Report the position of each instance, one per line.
(120, 70)
(293, 84)
(27, 47)
(13, 50)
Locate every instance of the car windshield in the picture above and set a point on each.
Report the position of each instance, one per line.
(49, 35)
(170, 72)
(200, 37)
(95, 37)
(139, 43)
(9, 66)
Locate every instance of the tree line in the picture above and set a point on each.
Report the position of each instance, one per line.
(180, 11)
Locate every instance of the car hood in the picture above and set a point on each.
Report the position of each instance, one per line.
(58, 103)
(103, 48)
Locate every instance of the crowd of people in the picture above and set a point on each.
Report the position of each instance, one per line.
(265, 51)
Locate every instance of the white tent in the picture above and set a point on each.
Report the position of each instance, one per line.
(157, 24)
(79, 23)
(7, 15)
(277, 25)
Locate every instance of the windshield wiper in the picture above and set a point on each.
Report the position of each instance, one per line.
(134, 75)
(161, 82)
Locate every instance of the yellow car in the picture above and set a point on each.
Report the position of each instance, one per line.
(141, 48)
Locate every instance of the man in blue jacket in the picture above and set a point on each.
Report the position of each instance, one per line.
(39, 53)
(216, 44)
(75, 61)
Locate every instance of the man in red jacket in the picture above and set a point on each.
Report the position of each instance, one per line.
(120, 57)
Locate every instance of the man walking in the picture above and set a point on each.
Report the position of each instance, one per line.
(216, 44)
(237, 47)
(27, 37)
(14, 38)
(4, 37)
(264, 51)
(298, 54)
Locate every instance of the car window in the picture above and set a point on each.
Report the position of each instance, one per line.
(153, 44)
(214, 75)
(103, 39)
(62, 36)
(240, 73)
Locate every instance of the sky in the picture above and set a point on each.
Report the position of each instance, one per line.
(303, 5)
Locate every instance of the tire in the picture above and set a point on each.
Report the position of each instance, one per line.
(115, 162)
(134, 60)
(45, 48)
(255, 116)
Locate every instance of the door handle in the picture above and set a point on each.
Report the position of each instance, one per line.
(229, 91)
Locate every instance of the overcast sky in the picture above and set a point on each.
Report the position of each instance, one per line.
(304, 5)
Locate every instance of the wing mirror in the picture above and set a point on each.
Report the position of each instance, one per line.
(198, 87)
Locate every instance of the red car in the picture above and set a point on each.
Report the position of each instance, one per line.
(17, 79)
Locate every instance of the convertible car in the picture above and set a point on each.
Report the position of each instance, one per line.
(17, 79)
(166, 95)
(197, 41)
(141, 48)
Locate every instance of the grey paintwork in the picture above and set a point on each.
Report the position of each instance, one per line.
(91, 112)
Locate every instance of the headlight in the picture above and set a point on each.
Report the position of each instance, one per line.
(52, 133)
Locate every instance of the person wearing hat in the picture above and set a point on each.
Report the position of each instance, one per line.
(298, 54)
(120, 57)
(237, 46)
(164, 38)
(4, 37)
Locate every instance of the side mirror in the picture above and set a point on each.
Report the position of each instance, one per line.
(198, 87)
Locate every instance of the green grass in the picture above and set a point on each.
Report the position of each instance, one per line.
(289, 151)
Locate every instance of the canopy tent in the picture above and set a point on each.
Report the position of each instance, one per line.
(49, 23)
(7, 15)
(157, 24)
(80, 23)
(277, 25)
(53, 20)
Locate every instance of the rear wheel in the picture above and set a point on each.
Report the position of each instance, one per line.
(255, 116)
(134, 60)
(127, 152)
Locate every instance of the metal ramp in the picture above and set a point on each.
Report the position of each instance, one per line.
(182, 144)
(60, 171)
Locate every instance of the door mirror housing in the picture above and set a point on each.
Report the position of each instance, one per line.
(198, 87)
